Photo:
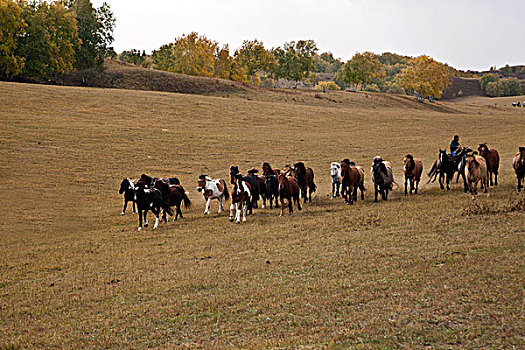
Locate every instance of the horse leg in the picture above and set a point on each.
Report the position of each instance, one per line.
(238, 213)
(495, 178)
(337, 186)
(448, 182)
(221, 205)
(298, 202)
(355, 193)
(376, 192)
(140, 220)
(164, 219)
(231, 211)
(277, 200)
(386, 194)
(412, 180)
(207, 210)
(264, 201)
(282, 206)
(362, 189)
(417, 185)
(244, 213)
(125, 205)
(441, 181)
(156, 213)
(406, 183)
(145, 220)
(134, 207)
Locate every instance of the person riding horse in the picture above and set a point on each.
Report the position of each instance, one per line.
(455, 147)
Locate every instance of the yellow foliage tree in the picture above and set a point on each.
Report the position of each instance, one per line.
(11, 27)
(425, 77)
(194, 55)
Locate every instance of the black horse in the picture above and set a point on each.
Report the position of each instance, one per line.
(126, 187)
(446, 168)
(272, 189)
(150, 199)
(382, 177)
(459, 166)
(250, 179)
(149, 181)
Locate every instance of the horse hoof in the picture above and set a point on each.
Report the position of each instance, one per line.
(122, 214)
(237, 222)
(231, 220)
(140, 228)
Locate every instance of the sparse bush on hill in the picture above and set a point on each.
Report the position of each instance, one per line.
(326, 85)
(372, 88)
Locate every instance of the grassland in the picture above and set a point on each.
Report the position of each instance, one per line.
(438, 270)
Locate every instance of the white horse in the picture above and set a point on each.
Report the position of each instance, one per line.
(335, 171)
(212, 189)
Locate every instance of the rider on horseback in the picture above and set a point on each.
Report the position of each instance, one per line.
(455, 148)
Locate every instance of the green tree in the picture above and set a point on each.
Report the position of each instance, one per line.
(362, 69)
(50, 42)
(494, 89)
(487, 78)
(326, 63)
(511, 87)
(95, 29)
(252, 57)
(295, 60)
(162, 59)
(12, 26)
(425, 77)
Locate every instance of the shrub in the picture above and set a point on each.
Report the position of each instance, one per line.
(372, 88)
(327, 85)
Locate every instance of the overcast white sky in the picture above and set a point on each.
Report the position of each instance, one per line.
(467, 34)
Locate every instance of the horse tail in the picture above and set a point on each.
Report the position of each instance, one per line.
(226, 193)
(164, 205)
(185, 198)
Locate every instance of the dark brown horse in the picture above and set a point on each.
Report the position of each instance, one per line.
(173, 195)
(241, 197)
(305, 179)
(350, 180)
(492, 159)
(289, 190)
(518, 163)
(261, 185)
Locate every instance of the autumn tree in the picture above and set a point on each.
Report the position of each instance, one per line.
(251, 58)
(50, 42)
(223, 63)
(326, 63)
(162, 59)
(295, 60)
(425, 77)
(362, 69)
(11, 28)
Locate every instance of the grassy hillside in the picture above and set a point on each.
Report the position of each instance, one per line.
(438, 270)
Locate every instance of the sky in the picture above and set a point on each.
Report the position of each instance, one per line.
(466, 34)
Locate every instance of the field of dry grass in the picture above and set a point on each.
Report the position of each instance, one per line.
(437, 270)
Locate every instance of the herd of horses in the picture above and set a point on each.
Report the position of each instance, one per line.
(288, 186)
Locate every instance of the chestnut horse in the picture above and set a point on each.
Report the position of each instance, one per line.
(289, 190)
(173, 195)
(476, 171)
(305, 179)
(518, 163)
(492, 159)
(413, 168)
(350, 179)
(241, 197)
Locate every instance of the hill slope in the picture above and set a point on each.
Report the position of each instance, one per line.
(437, 270)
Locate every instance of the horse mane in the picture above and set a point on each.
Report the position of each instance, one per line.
(253, 171)
(378, 159)
(382, 167)
(521, 149)
(409, 156)
(351, 163)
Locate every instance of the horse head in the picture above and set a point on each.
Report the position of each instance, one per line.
(271, 183)
(334, 168)
(483, 147)
(267, 169)
(234, 170)
(125, 185)
(409, 162)
(201, 183)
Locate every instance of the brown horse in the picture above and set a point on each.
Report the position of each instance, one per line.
(212, 189)
(476, 171)
(350, 179)
(518, 163)
(173, 195)
(305, 179)
(289, 190)
(241, 197)
(288, 170)
(413, 168)
(492, 159)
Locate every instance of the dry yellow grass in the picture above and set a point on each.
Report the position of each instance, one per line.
(437, 270)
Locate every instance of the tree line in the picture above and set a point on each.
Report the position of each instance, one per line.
(45, 40)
